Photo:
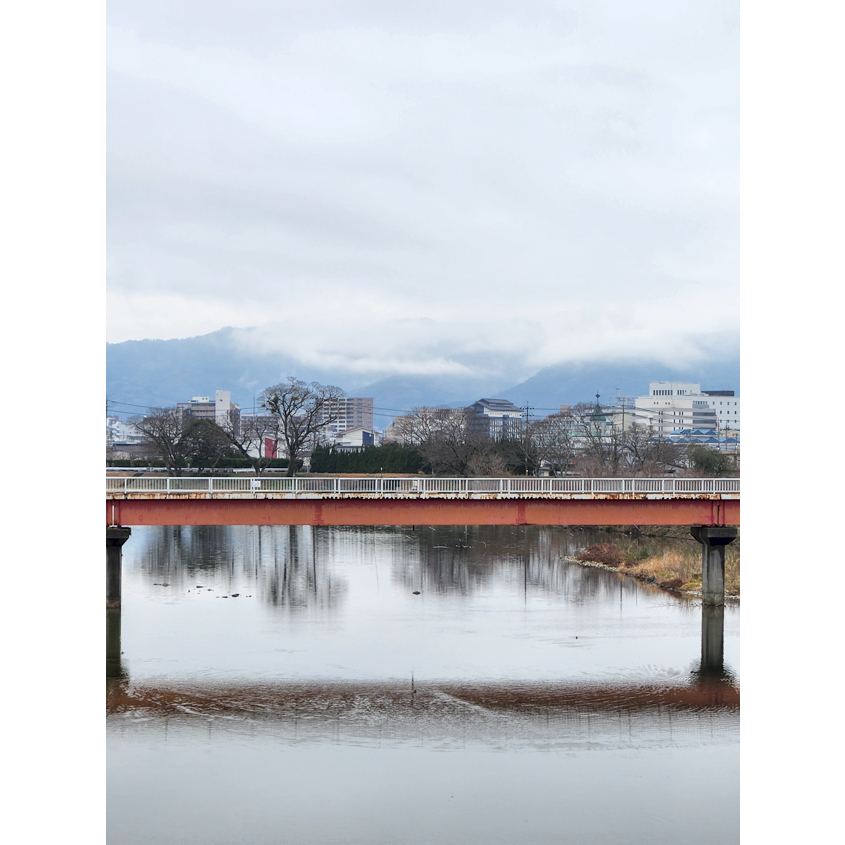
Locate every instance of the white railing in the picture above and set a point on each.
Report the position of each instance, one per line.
(438, 487)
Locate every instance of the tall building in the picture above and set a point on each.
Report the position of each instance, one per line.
(348, 412)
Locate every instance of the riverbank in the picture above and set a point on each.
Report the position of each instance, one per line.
(663, 558)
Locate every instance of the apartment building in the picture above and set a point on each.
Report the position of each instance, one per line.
(348, 412)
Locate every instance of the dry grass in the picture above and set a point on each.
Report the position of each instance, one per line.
(672, 565)
(607, 553)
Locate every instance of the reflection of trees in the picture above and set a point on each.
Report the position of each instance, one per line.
(300, 575)
(296, 566)
(466, 560)
(287, 565)
(178, 553)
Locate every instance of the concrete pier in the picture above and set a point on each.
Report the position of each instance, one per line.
(115, 538)
(713, 539)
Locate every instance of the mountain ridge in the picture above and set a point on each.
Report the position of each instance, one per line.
(159, 373)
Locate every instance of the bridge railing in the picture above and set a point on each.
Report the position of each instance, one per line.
(470, 487)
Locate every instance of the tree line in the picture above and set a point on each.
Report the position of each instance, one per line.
(453, 442)
(294, 414)
(437, 441)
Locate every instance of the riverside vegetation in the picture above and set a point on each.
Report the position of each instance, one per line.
(664, 558)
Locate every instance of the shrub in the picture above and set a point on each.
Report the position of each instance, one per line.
(709, 462)
(607, 553)
(390, 457)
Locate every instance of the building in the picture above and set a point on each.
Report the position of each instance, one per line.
(221, 409)
(672, 405)
(347, 412)
(726, 406)
(499, 418)
(124, 440)
(354, 439)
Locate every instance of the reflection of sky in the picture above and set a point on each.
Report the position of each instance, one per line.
(494, 603)
(217, 785)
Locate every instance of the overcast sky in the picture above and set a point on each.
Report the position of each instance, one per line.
(427, 186)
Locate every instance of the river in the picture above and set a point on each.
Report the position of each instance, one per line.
(399, 685)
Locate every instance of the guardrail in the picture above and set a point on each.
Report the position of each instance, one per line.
(436, 487)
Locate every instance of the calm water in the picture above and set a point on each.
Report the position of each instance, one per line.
(389, 685)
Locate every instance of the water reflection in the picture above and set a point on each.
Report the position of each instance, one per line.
(297, 566)
(114, 661)
(712, 665)
(296, 664)
(474, 585)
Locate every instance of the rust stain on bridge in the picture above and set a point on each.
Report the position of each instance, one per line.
(609, 510)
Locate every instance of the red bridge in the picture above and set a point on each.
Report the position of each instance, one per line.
(422, 501)
(710, 506)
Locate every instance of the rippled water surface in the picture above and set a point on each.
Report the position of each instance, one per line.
(393, 685)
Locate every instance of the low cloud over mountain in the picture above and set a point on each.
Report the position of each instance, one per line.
(245, 361)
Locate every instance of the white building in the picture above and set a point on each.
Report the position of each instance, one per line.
(354, 439)
(673, 405)
(726, 406)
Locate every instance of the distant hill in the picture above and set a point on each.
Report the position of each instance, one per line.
(158, 373)
(579, 382)
(152, 373)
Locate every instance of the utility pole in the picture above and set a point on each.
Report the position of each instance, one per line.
(526, 412)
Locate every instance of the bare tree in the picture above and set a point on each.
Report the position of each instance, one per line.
(248, 435)
(419, 425)
(647, 454)
(551, 442)
(302, 410)
(162, 429)
(601, 451)
(447, 438)
(606, 448)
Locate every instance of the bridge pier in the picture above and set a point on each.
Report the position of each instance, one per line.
(713, 539)
(115, 538)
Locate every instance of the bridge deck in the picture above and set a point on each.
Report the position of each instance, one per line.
(421, 501)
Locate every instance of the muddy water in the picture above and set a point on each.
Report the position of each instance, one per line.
(393, 685)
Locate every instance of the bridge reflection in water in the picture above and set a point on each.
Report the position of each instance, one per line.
(709, 686)
(289, 569)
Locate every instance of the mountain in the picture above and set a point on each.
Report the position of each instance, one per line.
(580, 381)
(396, 395)
(158, 373)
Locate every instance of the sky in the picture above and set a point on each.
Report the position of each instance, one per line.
(427, 187)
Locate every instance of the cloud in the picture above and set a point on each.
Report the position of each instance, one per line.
(536, 182)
